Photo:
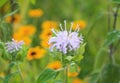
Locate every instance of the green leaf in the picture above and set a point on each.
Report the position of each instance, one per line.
(69, 58)
(81, 50)
(7, 78)
(111, 37)
(11, 13)
(94, 77)
(33, 2)
(118, 1)
(58, 81)
(46, 75)
(2, 2)
(11, 64)
(22, 53)
(110, 74)
(78, 58)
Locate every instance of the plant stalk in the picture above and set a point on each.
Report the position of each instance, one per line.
(66, 74)
(20, 73)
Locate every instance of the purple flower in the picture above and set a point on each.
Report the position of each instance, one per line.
(64, 40)
(14, 46)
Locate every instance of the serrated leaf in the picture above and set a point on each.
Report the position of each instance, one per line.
(7, 78)
(111, 37)
(46, 76)
(2, 2)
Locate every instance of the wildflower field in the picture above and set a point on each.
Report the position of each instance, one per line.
(66, 41)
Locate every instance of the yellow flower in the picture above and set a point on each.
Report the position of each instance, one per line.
(45, 34)
(35, 13)
(44, 43)
(27, 30)
(81, 23)
(27, 40)
(74, 73)
(55, 65)
(35, 53)
(49, 24)
(15, 19)
(19, 37)
(77, 80)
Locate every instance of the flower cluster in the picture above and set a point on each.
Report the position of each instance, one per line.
(14, 46)
(64, 40)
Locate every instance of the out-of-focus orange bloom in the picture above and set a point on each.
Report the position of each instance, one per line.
(24, 33)
(80, 23)
(49, 24)
(55, 65)
(74, 73)
(45, 34)
(77, 80)
(19, 37)
(35, 53)
(44, 43)
(27, 30)
(15, 19)
(35, 12)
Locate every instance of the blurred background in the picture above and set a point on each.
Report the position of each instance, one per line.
(32, 21)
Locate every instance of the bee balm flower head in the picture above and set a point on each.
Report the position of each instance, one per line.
(65, 40)
(14, 46)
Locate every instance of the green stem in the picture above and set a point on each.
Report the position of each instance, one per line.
(111, 57)
(20, 73)
(66, 74)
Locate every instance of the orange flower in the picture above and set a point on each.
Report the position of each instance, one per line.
(44, 43)
(55, 65)
(72, 74)
(35, 13)
(35, 53)
(77, 80)
(49, 24)
(45, 34)
(81, 23)
(19, 37)
(16, 18)
(27, 30)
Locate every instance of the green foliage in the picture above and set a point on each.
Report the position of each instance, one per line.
(111, 37)
(5, 31)
(33, 1)
(46, 75)
(2, 2)
(110, 74)
(58, 81)
(117, 1)
(22, 53)
(94, 77)
(8, 77)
